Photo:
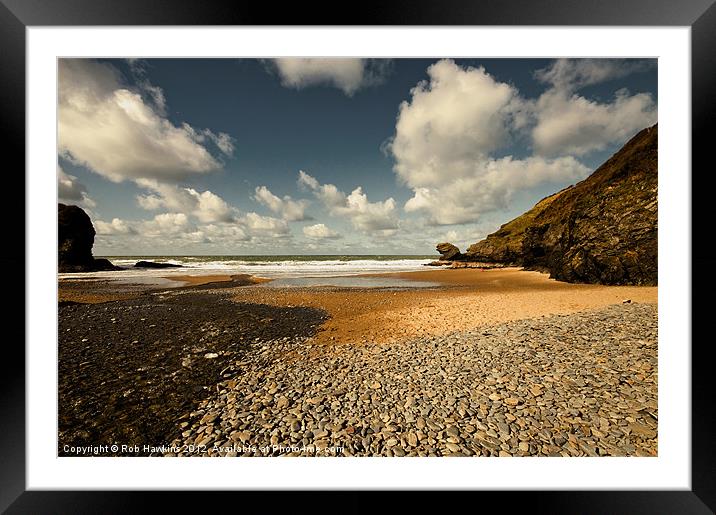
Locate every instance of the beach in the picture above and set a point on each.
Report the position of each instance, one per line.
(463, 299)
(477, 363)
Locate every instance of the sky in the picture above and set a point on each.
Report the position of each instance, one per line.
(332, 156)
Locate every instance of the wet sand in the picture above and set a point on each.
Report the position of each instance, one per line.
(218, 280)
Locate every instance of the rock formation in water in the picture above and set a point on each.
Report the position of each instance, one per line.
(154, 264)
(75, 236)
(601, 230)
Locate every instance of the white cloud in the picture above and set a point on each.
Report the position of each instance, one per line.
(116, 226)
(573, 74)
(453, 120)
(348, 75)
(211, 208)
(445, 139)
(490, 188)
(204, 212)
(326, 193)
(258, 225)
(320, 232)
(290, 210)
(449, 132)
(71, 191)
(223, 141)
(568, 123)
(138, 69)
(369, 216)
(571, 124)
(111, 129)
(205, 206)
(377, 218)
(166, 224)
(228, 233)
(179, 228)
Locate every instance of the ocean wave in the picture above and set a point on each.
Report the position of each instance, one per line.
(270, 268)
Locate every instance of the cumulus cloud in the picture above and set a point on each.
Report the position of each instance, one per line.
(178, 227)
(195, 216)
(258, 225)
(115, 131)
(166, 224)
(456, 118)
(289, 209)
(571, 124)
(320, 232)
(450, 132)
(71, 191)
(232, 233)
(116, 226)
(348, 75)
(568, 123)
(206, 206)
(573, 74)
(376, 218)
(490, 187)
(331, 196)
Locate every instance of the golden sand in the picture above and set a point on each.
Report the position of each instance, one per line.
(469, 298)
(196, 280)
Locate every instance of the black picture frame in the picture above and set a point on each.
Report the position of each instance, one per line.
(17, 15)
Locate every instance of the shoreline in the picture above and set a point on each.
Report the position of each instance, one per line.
(461, 299)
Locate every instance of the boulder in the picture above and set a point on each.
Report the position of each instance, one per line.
(153, 264)
(438, 263)
(75, 237)
(449, 252)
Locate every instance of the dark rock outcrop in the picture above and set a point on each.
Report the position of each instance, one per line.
(449, 252)
(505, 245)
(152, 264)
(75, 236)
(602, 230)
(101, 264)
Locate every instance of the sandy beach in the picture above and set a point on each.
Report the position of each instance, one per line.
(501, 362)
(468, 298)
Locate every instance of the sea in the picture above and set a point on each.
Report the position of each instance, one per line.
(285, 270)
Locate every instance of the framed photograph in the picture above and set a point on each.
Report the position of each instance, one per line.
(416, 250)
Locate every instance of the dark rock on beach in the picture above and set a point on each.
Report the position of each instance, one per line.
(129, 369)
(448, 251)
(153, 264)
(75, 235)
(602, 230)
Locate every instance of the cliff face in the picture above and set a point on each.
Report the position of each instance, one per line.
(75, 237)
(602, 230)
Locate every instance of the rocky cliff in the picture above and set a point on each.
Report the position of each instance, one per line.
(602, 230)
(75, 237)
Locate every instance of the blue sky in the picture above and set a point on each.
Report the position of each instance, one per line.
(332, 156)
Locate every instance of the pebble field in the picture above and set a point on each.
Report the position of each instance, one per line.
(582, 384)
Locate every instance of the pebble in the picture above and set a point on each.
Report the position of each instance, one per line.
(583, 384)
(452, 447)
